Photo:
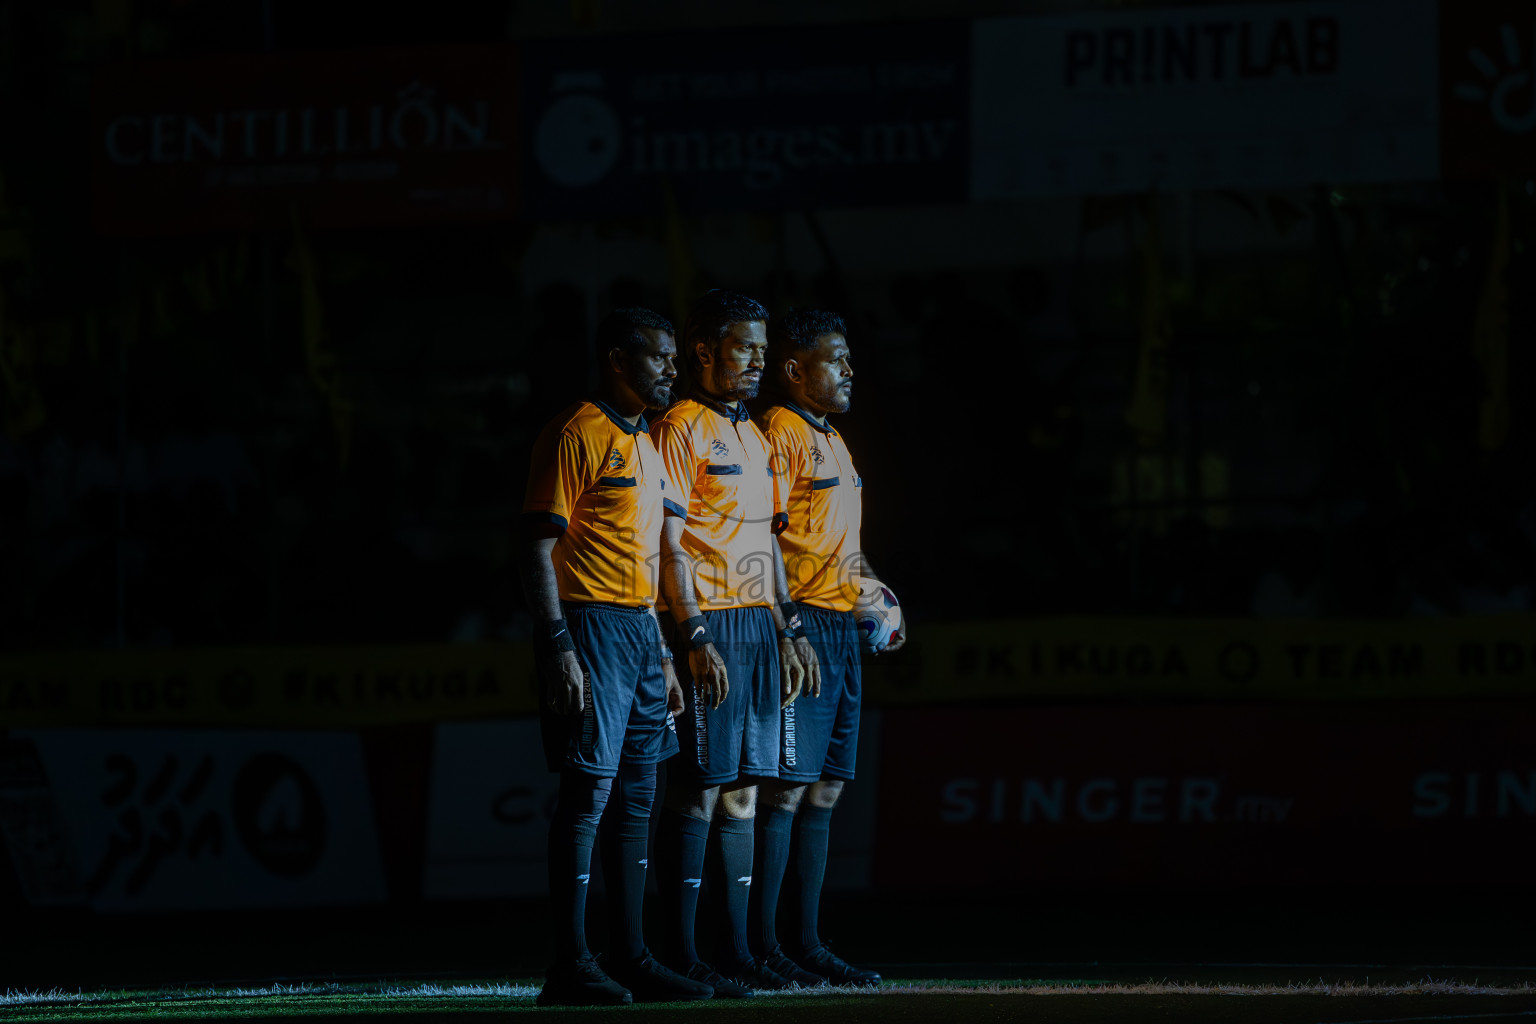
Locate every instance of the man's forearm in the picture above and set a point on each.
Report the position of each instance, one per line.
(541, 590)
(676, 579)
(780, 584)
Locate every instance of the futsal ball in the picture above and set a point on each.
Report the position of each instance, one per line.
(878, 615)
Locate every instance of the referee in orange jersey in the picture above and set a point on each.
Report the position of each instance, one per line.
(809, 358)
(723, 582)
(597, 494)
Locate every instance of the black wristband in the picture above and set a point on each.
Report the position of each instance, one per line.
(695, 632)
(556, 639)
(793, 628)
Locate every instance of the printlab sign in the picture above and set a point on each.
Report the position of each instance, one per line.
(371, 137)
(1261, 95)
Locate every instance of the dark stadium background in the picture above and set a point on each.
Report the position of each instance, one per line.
(1194, 404)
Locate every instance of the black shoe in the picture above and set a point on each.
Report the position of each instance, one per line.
(650, 982)
(756, 974)
(581, 982)
(724, 987)
(834, 968)
(780, 964)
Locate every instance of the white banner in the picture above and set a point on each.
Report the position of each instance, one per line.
(489, 810)
(492, 798)
(1251, 96)
(204, 819)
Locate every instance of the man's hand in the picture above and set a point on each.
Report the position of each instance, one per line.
(791, 672)
(674, 688)
(563, 683)
(812, 665)
(897, 638)
(708, 670)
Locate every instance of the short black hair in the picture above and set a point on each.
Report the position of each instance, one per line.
(621, 329)
(712, 316)
(798, 330)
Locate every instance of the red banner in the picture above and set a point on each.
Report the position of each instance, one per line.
(1208, 794)
(370, 137)
(1488, 89)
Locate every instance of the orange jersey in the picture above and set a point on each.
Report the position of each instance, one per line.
(722, 465)
(603, 484)
(822, 499)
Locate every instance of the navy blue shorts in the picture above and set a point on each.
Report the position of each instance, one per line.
(741, 736)
(820, 735)
(626, 716)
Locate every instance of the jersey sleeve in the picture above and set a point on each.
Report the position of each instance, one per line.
(675, 443)
(558, 475)
(669, 503)
(787, 462)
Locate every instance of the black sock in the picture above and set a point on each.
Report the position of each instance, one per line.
(736, 864)
(772, 861)
(811, 830)
(680, 843)
(571, 833)
(626, 837)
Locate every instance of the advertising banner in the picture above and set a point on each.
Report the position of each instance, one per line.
(772, 119)
(187, 820)
(293, 687)
(1241, 96)
(360, 137)
(1223, 659)
(1209, 795)
(488, 812)
(492, 798)
(35, 834)
(1488, 88)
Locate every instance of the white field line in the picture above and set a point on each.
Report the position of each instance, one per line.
(429, 990)
(56, 995)
(1427, 987)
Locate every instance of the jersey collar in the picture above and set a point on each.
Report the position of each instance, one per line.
(619, 421)
(825, 429)
(736, 414)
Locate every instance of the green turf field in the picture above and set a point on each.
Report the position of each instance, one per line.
(1314, 956)
(1065, 999)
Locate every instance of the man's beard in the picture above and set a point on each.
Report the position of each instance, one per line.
(735, 385)
(656, 392)
(834, 399)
